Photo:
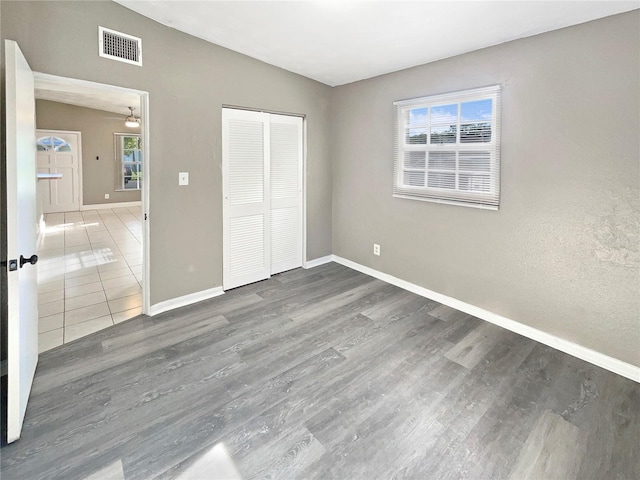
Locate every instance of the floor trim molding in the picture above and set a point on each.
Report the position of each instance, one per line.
(185, 300)
(316, 262)
(104, 206)
(599, 359)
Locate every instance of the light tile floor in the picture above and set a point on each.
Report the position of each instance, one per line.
(89, 273)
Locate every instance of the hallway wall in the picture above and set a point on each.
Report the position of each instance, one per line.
(188, 81)
(97, 128)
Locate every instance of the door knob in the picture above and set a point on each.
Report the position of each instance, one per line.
(33, 259)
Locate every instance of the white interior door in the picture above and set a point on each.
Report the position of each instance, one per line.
(286, 192)
(262, 195)
(59, 152)
(22, 352)
(245, 190)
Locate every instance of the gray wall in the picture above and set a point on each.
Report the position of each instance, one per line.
(97, 127)
(188, 81)
(562, 253)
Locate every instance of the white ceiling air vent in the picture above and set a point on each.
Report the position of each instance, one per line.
(120, 46)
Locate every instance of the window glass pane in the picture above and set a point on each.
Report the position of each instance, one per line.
(418, 117)
(475, 161)
(130, 143)
(442, 160)
(60, 145)
(129, 156)
(446, 148)
(132, 175)
(414, 179)
(126, 172)
(55, 143)
(476, 183)
(476, 111)
(443, 134)
(414, 159)
(442, 180)
(475, 133)
(416, 136)
(444, 114)
(44, 143)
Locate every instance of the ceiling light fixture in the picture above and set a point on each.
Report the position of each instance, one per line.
(132, 121)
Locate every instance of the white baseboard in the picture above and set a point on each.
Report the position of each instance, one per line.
(316, 262)
(601, 360)
(103, 206)
(184, 300)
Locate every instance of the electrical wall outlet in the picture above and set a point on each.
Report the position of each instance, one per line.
(106, 196)
(376, 249)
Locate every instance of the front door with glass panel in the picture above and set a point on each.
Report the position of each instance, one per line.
(59, 153)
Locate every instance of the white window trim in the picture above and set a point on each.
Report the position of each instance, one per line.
(489, 200)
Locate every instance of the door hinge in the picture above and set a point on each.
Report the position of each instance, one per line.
(145, 216)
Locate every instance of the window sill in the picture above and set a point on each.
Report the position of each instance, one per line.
(447, 202)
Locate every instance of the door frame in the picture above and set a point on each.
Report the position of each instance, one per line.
(80, 182)
(304, 191)
(304, 171)
(146, 164)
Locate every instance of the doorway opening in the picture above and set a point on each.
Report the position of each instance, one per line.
(94, 266)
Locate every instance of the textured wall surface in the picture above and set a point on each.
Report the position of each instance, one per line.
(188, 81)
(562, 253)
(97, 128)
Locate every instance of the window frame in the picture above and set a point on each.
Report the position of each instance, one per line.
(452, 196)
(121, 163)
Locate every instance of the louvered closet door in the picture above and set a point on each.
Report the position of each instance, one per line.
(286, 193)
(246, 213)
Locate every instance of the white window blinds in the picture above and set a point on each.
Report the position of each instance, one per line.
(447, 148)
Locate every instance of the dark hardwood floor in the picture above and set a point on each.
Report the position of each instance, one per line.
(323, 374)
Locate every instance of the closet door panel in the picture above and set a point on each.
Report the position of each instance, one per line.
(246, 215)
(286, 193)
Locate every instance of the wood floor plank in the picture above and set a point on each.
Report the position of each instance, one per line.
(290, 298)
(355, 396)
(554, 449)
(323, 374)
(470, 350)
(244, 421)
(122, 350)
(612, 422)
(464, 406)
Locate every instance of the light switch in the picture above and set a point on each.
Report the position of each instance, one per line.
(183, 178)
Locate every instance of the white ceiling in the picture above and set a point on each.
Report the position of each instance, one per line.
(86, 94)
(342, 41)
